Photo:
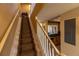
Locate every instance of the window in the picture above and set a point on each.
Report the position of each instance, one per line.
(69, 31)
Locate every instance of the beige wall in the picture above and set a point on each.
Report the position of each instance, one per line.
(7, 12)
(8, 45)
(66, 48)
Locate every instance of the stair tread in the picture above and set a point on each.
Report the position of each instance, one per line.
(26, 47)
(28, 53)
(27, 36)
(25, 41)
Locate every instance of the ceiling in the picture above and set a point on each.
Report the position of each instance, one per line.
(52, 10)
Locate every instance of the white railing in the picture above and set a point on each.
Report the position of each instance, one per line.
(48, 46)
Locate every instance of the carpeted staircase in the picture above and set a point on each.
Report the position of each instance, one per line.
(26, 44)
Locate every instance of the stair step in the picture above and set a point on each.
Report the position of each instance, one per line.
(25, 32)
(26, 36)
(26, 47)
(28, 40)
(25, 26)
(28, 53)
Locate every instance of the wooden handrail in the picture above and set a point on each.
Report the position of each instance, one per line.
(48, 38)
(7, 32)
